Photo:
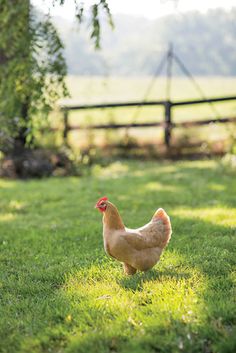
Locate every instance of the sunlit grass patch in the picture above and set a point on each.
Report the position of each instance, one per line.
(114, 170)
(136, 303)
(6, 184)
(158, 186)
(216, 187)
(216, 215)
(7, 217)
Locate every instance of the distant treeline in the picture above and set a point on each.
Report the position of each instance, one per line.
(206, 43)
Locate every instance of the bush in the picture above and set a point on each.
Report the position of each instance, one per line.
(36, 163)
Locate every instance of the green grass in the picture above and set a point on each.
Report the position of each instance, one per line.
(59, 292)
(116, 89)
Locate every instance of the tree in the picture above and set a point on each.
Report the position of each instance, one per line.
(32, 67)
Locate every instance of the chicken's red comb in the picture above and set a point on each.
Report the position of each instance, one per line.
(104, 198)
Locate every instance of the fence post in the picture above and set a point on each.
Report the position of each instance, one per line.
(66, 126)
(167, 133)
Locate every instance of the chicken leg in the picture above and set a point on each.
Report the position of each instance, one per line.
(129, 270)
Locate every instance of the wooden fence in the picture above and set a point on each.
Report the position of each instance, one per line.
(167, 124)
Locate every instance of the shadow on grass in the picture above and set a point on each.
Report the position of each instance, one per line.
(159, 340)
(136, 282)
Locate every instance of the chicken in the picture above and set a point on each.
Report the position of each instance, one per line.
(138, 249)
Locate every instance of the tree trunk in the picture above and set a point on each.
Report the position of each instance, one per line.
(20, 139)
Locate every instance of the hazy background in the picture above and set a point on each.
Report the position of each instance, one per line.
(203, 34)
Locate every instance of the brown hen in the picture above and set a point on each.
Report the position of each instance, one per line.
(138, 249)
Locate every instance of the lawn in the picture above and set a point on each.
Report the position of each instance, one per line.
(59, 292)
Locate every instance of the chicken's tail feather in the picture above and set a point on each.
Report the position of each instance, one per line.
(161, 214)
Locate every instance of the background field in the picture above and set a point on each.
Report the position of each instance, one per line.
(112, 89)
(60, 293)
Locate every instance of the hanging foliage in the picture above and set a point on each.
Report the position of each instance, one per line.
(32, 66)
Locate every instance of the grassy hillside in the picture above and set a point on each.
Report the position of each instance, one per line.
(94, 89)
(61, 293)
(112, 89)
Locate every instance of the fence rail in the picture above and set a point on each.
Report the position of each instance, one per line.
(167, 123)
(184, 124)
